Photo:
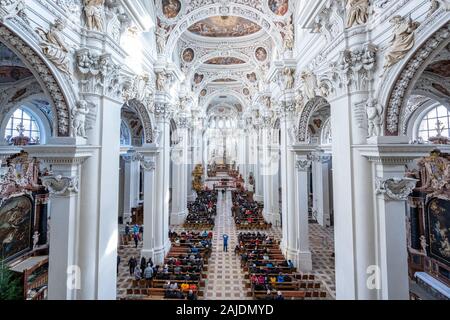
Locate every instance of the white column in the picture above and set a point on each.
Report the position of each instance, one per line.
(321, 188)
(179, 179)
(147, 155)
(162, 242)
(303, 166)
(131, 185)
(390, 192)
(99, 205)
(64, 271)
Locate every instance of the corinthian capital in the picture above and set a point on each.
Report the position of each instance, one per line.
(303, 165)
(396, 189)
(60, 186)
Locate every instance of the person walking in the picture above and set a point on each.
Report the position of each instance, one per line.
(127, 229)
(143, 264)
(225, 243)
(132, 265)
(136, 239)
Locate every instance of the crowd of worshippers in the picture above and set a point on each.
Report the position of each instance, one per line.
(203, 210)
(247, 212)
(255, 250)
(192, 238)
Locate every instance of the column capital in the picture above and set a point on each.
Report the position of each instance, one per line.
(60, 186)
(61, 155)
(303, 165)
(395, 189)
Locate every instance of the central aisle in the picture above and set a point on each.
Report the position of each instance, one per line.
(225, 277)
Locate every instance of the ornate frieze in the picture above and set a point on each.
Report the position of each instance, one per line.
(354, 69)
(395, 189)
(13, 8)
(100, 75)
(59, 185)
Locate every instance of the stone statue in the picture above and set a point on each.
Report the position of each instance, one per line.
(54, 46)
(161, 81)
(161, 36)
(79, 119)
(94, 11)
(288, 75)
(35, 239)
(288, 40)
(309, 84)
(402, 42)
(374, 117)
(423, 244)
(357, 12)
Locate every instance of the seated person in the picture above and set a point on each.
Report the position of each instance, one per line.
(191, 296)
(280, 278)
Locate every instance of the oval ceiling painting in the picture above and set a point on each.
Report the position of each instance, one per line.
(224, 27)
(203, 92)
(188, 55)
(261, 54)
(171, 8)
(279, 7)
(225, 61)
(246, 91)
(198, 78)
(252, 77)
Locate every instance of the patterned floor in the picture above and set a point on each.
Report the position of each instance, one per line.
(225, 279)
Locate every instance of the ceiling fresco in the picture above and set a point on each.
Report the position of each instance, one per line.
(225, 61)
(441, 68)
(224, 27)
(10, 74)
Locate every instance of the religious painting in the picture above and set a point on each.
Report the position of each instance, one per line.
(16, 223)
(318, 123)
(441, 89)
(224, 27)
(246, 92)
(441, 68)
(10, 74)
(198, 78)
(203, 92)
(261, 54)
(252, 77)
(225, 80)
(279, 7)
(188, 55)
(171, 8)
(225, 61)
(438, 230)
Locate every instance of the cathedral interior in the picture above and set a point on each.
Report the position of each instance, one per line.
(225, 150)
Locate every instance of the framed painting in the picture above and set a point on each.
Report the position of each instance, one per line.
(16, 227)
(438, 230)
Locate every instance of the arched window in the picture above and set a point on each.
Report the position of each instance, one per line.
(436, 119)
(125, 135)
(23, 122)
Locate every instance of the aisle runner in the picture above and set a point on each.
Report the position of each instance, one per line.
(225, 277)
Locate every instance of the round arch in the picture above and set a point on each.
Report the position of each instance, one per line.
(305, 116)
(145, 119)
(55, 87)
(221, 54)
(400, 80)
(210, 80)
(228, 92)
(219, 9)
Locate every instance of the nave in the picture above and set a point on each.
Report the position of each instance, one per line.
(225, 278)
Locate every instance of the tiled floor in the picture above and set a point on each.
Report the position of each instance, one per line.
(225, 279)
